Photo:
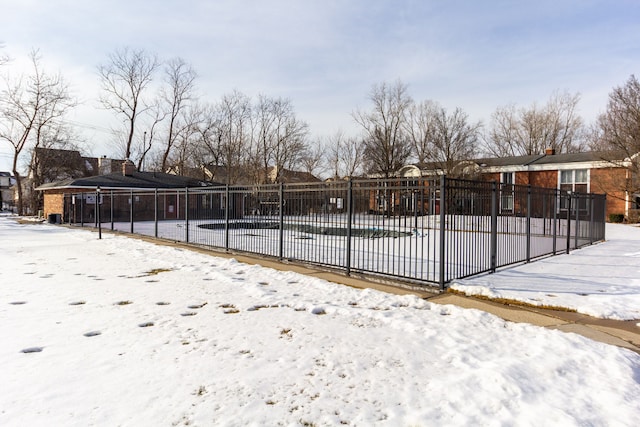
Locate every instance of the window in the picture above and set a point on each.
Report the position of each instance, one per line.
(409, 188)
(506, 192)
(575, 181)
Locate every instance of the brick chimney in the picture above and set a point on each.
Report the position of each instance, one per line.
(128, 168)
(550, 151)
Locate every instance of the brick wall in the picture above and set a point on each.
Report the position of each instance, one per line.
(611, 181)
(53, 202)
(546, 179)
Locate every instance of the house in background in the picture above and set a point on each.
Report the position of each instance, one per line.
(74, 199)
(6, 191)
(589, 172)
(52, 164)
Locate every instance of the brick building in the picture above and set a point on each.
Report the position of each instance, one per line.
(589, 172)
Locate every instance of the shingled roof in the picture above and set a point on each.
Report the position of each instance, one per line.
(132, 180)
(546, 159)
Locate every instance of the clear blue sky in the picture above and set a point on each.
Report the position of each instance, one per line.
(325, 55)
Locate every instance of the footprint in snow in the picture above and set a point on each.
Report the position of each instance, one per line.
(196, 306)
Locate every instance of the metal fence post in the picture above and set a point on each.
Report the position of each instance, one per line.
(568, 221)
(281, 221)
(349, 220)
(186, 214)
(95, 210)
(81, 209)
(494, 226)
(528, 223)
(591, 220)
(155, 212)
(604, 218)
(131, 211)
(111, 208)
(544, 215)
(577, 232)
(442, 270)
(98, 213)
(226, 217)
(555, 220)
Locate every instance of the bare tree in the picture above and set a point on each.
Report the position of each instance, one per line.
(454, 139)
(312, 158)
(503, 139)
(180, 81)
(51, 160)
(386, 145)
(421, 128)
(234, 118)
(528, 131)
(279, 137)
(566, 130)
(149, 136)
(344, 155)
(263, 121)
(4, 58)
(333, 157)
(124, 80)
(619, 125)
(290, 137)
(224, 135)
(186, 157)
(617, 131)
(29, 106)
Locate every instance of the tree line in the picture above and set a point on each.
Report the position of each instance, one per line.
(166, 126)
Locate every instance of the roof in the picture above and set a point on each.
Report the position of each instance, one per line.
(539, 160)
(545, 159)
(133, 180)
(509, 161)
(589, 156)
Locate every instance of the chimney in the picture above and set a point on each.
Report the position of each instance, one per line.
(550, 151)
(104, 165)
(128, 168)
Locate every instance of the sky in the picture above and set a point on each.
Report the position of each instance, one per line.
(120, 331)
(325, 56)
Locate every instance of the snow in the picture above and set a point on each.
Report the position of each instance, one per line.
(133, 333)
(601, 280)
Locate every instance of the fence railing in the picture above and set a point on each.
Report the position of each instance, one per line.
(426, 231)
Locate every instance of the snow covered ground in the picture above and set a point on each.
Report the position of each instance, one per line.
(602, 280)
(123, 332)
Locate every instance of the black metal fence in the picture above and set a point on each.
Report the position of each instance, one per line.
(424, 231)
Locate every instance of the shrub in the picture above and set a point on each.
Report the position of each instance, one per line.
(616, 217)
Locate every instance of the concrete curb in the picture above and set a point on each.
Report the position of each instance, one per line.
(615, 332)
